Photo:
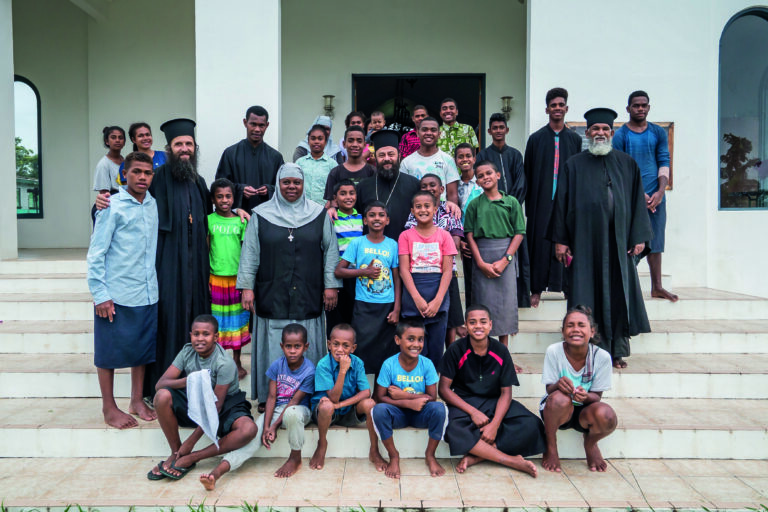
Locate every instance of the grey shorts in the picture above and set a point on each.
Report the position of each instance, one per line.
(348, 419)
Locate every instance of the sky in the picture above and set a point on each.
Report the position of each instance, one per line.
(25, 104)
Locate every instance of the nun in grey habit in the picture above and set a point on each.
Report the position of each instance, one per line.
(286, 269)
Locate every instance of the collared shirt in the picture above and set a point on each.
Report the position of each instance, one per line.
(409, 144)
(500, 218)
(315, 175)
(327, 372)
(121, 257)
(452, 136)
(468, 190)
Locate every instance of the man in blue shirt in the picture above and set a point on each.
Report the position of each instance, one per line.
(647, 144)
(123, 283)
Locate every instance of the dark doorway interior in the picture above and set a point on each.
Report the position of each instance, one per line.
(397, 94)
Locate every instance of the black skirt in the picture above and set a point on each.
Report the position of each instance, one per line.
(375, 336)
(128, 340)
(520, 433)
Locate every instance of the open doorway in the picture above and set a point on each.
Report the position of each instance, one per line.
(397, 94)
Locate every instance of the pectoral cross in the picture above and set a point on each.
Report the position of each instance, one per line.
(290, 237)
(190, 218)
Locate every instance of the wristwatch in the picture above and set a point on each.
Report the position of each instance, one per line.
(509, 257)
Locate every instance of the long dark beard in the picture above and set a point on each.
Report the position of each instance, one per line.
(388, 174)
(183, 170)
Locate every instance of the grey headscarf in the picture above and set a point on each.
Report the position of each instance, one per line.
(280, 212)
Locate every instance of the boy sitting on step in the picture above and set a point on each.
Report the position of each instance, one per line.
(291, 383)
(406, 396)
(234, 423)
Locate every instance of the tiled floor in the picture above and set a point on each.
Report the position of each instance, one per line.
(346, 483)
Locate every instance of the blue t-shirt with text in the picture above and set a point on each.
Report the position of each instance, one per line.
(289, 381)
(415, 381)
(362, 253)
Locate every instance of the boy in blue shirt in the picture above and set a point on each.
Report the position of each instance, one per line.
(372, 261)
(406, 396)
(123, 283)
(342, 395)
(291, 384)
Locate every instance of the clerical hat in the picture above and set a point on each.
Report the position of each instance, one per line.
(384, 139)
(600, 115)
(177, 127)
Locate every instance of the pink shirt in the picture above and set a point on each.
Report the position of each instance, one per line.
(426, 252)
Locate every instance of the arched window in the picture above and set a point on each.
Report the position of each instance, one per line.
(29, 178)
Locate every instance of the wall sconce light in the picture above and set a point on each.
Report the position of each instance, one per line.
(328, 107)
(506, 106)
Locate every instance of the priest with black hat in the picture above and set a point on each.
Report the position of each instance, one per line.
(390, 186)
(600, 226)
(182, 264)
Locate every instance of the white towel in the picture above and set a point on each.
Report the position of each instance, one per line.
(201, 402)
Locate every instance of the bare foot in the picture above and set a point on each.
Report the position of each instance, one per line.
(619, 363)
(290, 467)
(519, 463)
(318, 458)
(661, 293)
(595, 459)
(208, 481)
(467, 461)
(393, 468)
(140, 409)
(435, 469)
(118, 419)
(241, 372)
(377, 460)
(535, 298)
(551, 460)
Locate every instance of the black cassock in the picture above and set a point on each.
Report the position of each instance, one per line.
(546, 272)
(182, 265)
(509, 162)
(396, 194)
(600, 213)
(244, 165)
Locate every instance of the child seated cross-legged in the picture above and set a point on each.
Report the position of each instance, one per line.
(406, 396)
(573, 398)
(291, 383)
(235, 423)
(342, 395)
(484, 422)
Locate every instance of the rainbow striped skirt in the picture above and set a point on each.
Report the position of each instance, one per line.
(228, 310)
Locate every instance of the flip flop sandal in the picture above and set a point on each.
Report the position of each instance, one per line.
(183, 471)
(154, 476)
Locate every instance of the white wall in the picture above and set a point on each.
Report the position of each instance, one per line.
(50, 41)
(8, 235)
(669, 49)
(324, 43)
(141, 67)
(238, 65)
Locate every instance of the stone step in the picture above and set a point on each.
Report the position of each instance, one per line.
(669, 337)
(648, 376)
(46, 261)
(694, 304)
(43, 283)
(648, 428)
(347, 484)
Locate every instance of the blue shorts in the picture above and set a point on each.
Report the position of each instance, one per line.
(388, 417)
(658, 225)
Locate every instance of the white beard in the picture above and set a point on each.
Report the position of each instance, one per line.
(599, 148)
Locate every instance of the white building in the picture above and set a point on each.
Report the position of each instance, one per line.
(103, 62)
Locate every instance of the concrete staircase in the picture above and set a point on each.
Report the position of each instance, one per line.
(696, 388)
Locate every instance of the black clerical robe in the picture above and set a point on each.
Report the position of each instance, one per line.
(546, 272)
(244, 165)
(396, 194)
(509, 162)
(182, 265)
(602, 275)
